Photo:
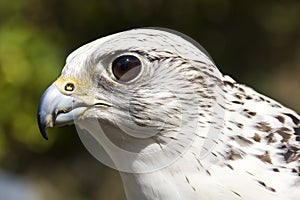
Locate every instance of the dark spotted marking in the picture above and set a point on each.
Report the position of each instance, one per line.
(268, 188)
(228, 83)
(237, 102)
(280, 118)
(284, 133)
(292, 154)
(241, 89)
(237, 194)
(262, 99)
(238, 96)
(243, 141)
(231, 138)
(229, 128)
(249, 173)
(275, 170)
(270, 138)
(294, 119)
(262, 183)
(187, 180)
(214, 154)
(249, 97)
(297, 131)
(263, 126)
(274, 105)
(240, 125)
(282, 146)
(208, 172)
(249, 113)
(234, 155)
(265, 157)
(271, 189)
(256, 138)
(229, 166)
(199, 162)
(252, 113)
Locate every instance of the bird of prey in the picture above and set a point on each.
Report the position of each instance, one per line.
(173, 124)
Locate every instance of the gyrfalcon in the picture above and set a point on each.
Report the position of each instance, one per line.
(171, 123)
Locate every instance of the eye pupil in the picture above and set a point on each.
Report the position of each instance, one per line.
(126, 68)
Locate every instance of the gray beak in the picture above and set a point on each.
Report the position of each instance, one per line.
(56, 109)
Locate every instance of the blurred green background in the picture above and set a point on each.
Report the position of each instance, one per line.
(256, 42)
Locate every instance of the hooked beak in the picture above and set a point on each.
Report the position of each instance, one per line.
(56, 109)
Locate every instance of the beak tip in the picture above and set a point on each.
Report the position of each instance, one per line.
(42, 124)
(42, 128)
(44, 134)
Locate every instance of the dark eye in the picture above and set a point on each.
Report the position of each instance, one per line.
(126, 68)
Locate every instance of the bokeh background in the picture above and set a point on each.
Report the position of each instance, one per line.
(256, 42)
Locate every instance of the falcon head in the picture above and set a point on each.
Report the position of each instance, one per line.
(147, 82)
